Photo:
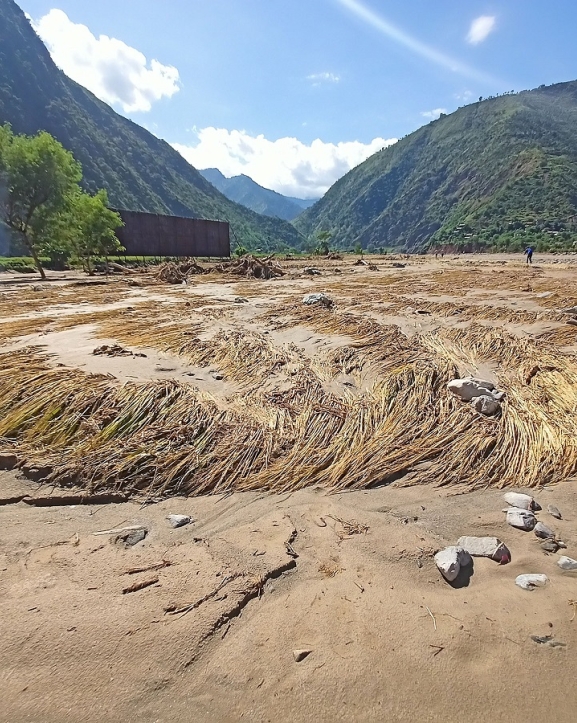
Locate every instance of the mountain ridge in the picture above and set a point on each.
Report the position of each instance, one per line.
(243, 189)
(140, 171)
(492, 171)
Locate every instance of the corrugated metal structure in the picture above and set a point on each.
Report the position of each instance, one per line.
(150, 234)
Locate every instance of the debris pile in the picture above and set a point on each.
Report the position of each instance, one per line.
(482, 394)
(178, 273)
(251, 267)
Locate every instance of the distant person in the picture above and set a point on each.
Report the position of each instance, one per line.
(529, 254)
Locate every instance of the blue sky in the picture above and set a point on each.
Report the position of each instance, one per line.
(296, 92)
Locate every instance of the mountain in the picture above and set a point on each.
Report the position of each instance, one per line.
(139, 171)
(243, 189)
(500, 172)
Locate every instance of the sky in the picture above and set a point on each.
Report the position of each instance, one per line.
(295, 93)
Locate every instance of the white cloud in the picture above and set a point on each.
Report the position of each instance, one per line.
(481, 28)
(286, 165)
(433, 114)
(113, 71)
(319, 78)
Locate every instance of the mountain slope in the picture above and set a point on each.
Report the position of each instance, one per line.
(496, 168)
(139, 171)
(243, 189)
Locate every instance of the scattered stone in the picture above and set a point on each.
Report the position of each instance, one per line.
(521, 519)
(548, 640)
(8, 461)
(218, 377)
(530, 582)
(397, 265)
(523, 502)
(312, 272)
(240, 300)
(322, 299)
(486, 405)
(567, 563)
(450, 560)
(490, 547)
(544, 532)
(129, 538)
(300, 655)
(179, 520)
(550, 546)
(554, 511)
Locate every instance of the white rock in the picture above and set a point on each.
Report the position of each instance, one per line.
(486, 405)
(450, 560)
(466, 389)
(490, 547)
(521, 519)
(530, 582)
(323, 299)
(179, 520)
(544, 532)
(517, 499)
(567, 563)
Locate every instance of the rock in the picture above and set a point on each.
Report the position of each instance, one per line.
(523, 502)
(544, 532)
(550, 546)
(485, 547)
(486, 405)
(179, 520)
(470, 388)
(322, 299)
(218, 377)
(450, 560)
(312, 272)
(554, 511)
(570, 310)
(8, 461)
(567, 563)
(129, 537)
(240, 300)
(530, 582)
(521, 519)
(301, 654)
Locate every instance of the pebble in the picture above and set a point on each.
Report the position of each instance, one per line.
(300, 655)
(520, 500)
(530, 582)
(521, 519)
(450, 560)
(567, 563)
(544, 532)
(550, 546)
(552, 510)
(179, 520)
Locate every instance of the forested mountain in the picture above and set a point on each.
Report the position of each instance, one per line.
(139, 171)
(243, 189)
(500, 172)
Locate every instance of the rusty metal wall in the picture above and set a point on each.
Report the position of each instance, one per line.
(151, 234)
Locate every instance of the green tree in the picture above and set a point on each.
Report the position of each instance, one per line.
(92, 227)
(40, 177)
(322, 247)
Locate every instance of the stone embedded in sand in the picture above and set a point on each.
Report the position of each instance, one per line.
(490, 547)
(544, 532)
(323, 299)
(521, 519)
(469, 388)
(567, 563)
(451, 560)
(554, 511)
(301, 654)
(520, 500)
(530, 582)
(486, 405)
(179, 520)
(550, 545)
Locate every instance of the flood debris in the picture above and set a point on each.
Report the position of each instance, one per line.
(139, 586)
(481, 393)
(490, 547)
(450, 561)
(251, 267)
(521, 519)
(531, 581)
(567, 563)
(322, 299)
(179, 520)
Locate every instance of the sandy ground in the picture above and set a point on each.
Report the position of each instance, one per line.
(256, 577)
(389, 638)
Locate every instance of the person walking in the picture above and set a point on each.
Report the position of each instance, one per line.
(529, 254)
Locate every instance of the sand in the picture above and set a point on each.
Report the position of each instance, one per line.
(265, 575)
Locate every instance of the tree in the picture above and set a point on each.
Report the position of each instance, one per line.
(91, 227)
(322, 248)
(40, 177)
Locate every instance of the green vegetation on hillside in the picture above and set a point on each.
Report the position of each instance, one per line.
(499, 174)
(139, 171)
